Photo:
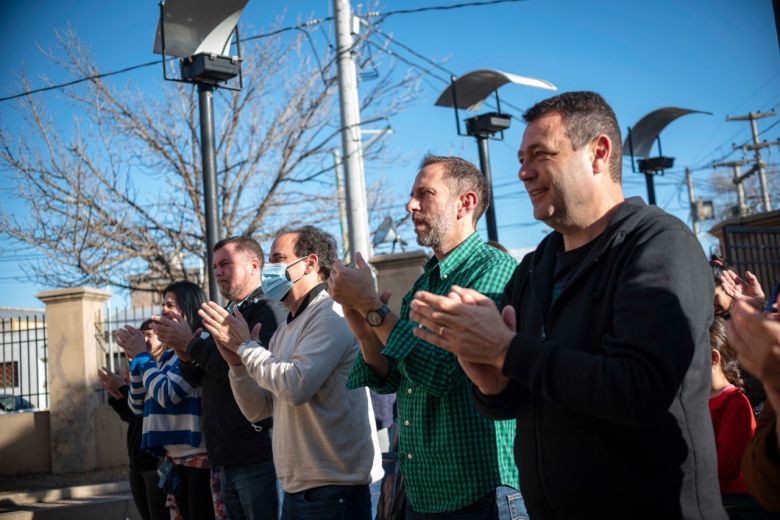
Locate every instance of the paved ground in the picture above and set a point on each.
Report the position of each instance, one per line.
(43, 481)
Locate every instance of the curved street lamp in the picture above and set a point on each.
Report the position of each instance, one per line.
(468, 92)
(199, 32)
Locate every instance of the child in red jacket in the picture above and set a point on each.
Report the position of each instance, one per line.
(732, 415)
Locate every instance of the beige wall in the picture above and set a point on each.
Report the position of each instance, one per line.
(398, 272)
(110, 438)
(24, 443)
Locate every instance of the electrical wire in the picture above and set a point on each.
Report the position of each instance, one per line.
(80, 80)
(431, 62)
(440, 8)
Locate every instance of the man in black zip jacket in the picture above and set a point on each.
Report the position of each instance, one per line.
(601, 349)
(142, 475)
(239, 451)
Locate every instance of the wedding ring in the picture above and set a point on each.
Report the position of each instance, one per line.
(441, 331)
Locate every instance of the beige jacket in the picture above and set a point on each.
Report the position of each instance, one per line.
(323, 434)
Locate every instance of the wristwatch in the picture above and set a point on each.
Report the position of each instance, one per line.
(376, 317)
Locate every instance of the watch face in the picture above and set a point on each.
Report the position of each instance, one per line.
(374, 318)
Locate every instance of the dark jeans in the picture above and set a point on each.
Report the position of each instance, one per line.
(194, 495)
(483, 509)
(328, 503)
(250, 491)
(149, 499)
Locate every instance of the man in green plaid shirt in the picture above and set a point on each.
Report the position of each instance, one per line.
(452, 457)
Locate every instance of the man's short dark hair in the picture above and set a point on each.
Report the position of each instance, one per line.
(313, 240)
(244, 244)
(466, 176)
(586, 115)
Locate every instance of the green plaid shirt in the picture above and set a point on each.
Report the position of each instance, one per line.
(450, 454)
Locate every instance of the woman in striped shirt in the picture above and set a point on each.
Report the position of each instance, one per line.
(171, 407)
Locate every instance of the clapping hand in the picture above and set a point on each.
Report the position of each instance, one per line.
(131, 340)
(228, 330)
(111, 382)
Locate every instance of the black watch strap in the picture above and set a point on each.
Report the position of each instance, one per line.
(376, 317)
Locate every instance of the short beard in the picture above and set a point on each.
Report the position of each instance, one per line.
(438, 228)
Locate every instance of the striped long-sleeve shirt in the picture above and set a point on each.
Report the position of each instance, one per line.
(170, 406)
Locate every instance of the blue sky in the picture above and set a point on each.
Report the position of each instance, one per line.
(719, 56)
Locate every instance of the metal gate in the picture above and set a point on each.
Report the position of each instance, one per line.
(23, 364)
(756, 250)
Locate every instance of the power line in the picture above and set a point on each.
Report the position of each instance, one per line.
(77, 81)
(414, 52)
(430, 61)
(408, 62)
(440, 8)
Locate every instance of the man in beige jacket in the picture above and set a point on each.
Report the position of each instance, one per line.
(324, 440)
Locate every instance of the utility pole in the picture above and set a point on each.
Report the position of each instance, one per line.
(692, 200)
(737, 179)
(357, 210)
(342, 206)
(756, 147)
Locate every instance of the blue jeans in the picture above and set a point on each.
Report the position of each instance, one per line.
(328, 503)
(250, 491)
(511, 505)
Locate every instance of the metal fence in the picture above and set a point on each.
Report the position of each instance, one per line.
(23, 364)
(756, 250)
(107, 323)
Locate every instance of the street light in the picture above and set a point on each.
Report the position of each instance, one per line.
(468, 92)
(639, 141)
(199, 32)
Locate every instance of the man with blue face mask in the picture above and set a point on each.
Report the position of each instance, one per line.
(324, 443)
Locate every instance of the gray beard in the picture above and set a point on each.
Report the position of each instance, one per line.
(437, 229)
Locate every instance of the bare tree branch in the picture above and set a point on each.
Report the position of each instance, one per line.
(118, 192)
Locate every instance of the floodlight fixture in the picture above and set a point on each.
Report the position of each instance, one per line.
(469, 92)
(639, 141)
(487, 124)
(386, 233)
(200, 33)
(655, 164)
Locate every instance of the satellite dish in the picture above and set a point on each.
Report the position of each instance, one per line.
(386, 233)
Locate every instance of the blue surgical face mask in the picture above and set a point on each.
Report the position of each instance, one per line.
(275, 280)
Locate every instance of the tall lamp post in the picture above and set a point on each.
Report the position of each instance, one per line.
(468, 92)
(639, 142)
(199, 32)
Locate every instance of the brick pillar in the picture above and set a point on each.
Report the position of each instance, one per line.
(73, 361)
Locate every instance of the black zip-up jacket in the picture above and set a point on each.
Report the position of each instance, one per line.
(231, 440)
(610, 383)
(140, 460)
